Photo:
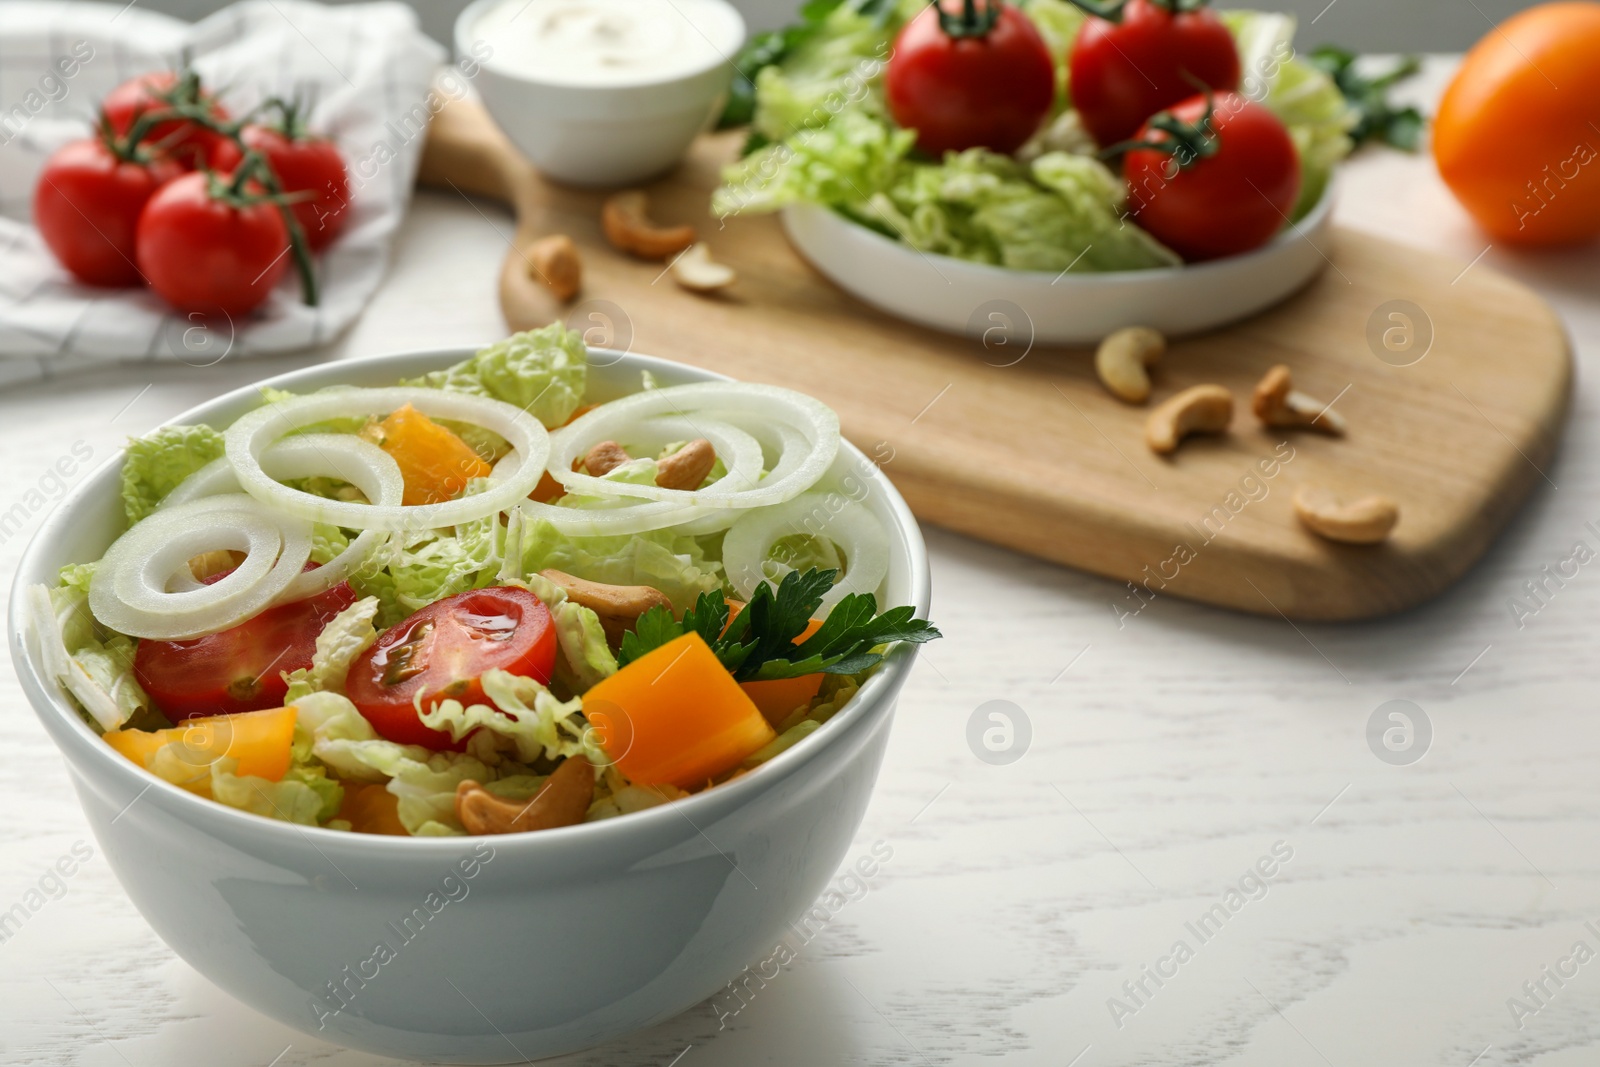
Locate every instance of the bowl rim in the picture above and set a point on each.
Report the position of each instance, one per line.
(461, 37)
(989, 273)
(876, 694)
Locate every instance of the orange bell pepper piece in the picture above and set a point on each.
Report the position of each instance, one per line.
(435, 463)
(259, 740)
(369, 808)
(675, 716)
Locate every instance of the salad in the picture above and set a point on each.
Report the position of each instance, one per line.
(1100, 135)
(477, 602)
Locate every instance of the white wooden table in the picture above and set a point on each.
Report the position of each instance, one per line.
(1167, 760)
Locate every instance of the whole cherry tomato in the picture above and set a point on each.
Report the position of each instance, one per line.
(969, 74)
(1519, 152)
(306, 164)
(190, 144)
(1220, 178)
(1150, 55)
(441, 653)
(212, 247)
(87, 206)
(241, 668)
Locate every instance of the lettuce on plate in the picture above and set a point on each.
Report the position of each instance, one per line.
(156, 463)
(1062, 212)
(845, 163)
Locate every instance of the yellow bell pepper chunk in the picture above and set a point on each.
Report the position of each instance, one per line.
(259, 740)
(434, 463)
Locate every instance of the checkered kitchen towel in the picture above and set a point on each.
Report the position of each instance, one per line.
(367, 67)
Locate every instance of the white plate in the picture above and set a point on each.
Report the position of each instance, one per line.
(970, 298)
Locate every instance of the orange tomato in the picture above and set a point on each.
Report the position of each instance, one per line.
(435, 464)
(1516, 137)
(675, 716)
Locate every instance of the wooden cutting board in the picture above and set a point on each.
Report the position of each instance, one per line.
(1022, 447)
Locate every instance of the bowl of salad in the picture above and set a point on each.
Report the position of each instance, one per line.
(476, 706)
(1093, 164)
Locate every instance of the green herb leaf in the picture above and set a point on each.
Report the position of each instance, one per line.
(1369, 94)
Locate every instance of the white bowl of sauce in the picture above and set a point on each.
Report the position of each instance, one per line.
(602, 92)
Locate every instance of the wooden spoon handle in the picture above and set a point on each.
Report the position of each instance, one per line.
(466, 152)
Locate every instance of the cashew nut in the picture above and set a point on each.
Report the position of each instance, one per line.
(1123, 361)
(1200, 409)
(604, 458)
(1278, 403)
(697, 271)
(562, 800)
(627, 225)
(556, 263)
(1364, 522)
(688, 466)
(618, 606)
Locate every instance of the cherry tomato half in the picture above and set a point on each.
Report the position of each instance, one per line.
(442, 651)
(1123, 72)
(1221, 204)
(241, 668)
(971, 88)
(210, 254)
(303, 164)
(87, 206)
(190, 144)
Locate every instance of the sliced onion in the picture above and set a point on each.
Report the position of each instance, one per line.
(329, 455)
(130, 594)
(853, 528)
(638, 516)
(249, 438)
(710, 410)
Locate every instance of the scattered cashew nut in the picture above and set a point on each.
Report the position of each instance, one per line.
(627, 225)
(618, 606)
(1123, 360)
(562, 800)
(1363, 522)
(1200, 409)
(688, 466)
(1278, 403)
(556, 263)
(697, 271)
(604, 458)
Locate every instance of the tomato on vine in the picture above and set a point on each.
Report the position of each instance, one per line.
(1214, 176)
(87, 205)
(190, 143)
(970, 74)
(215, 245)
(1134, 57)
(309, 168)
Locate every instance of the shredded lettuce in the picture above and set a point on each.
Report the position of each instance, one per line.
(156, 463)
(525, 722)
(93, 663)
(303, 795)
(346, 636)
(543, 372)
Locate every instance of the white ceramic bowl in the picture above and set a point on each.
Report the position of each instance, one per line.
(594, 135)
(559, 940)
(957, 296)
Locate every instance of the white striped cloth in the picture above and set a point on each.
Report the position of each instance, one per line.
(367, 67)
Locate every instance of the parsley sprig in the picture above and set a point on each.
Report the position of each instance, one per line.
(759, 644)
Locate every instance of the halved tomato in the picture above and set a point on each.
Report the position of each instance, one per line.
(441, 653)
(238, 669)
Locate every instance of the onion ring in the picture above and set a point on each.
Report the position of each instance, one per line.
(849, 525)
(248, 439)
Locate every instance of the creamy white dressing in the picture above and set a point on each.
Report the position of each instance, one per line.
(609, 42)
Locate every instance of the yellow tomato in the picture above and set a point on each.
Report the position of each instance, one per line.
(1517, 137)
